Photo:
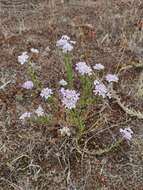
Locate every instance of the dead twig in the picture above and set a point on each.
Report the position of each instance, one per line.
(134, 65)
(100, 152)
(4, 85)
(131, 112)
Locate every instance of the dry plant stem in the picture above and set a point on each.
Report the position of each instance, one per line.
(131, 112)
(4, 85)
(140, 65)
(21, 156)
(120, 61)
(13, 185)
(100, 152)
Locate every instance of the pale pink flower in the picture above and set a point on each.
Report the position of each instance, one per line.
(98, 67)
(100, 89)
(28, 85)
(60, 43)
(46, 93)
(112, 78)
(65, 44)
(83, 68)
(69, 98)
(126, 133)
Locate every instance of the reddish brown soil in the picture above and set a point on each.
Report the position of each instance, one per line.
(35, 156)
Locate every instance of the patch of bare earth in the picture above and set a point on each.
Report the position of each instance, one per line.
(35, 156)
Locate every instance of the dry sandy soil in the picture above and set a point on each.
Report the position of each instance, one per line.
(35, 157)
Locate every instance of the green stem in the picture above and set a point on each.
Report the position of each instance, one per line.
(34, 78)
(86, 98)
(69, 69)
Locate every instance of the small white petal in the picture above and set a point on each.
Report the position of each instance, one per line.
(25, 115)
(33, 50)
(98, 67)
(63, 82)
(73, 42)
(67, 47)
(28, 85)
(23, 58)
(65, 37)
(39, 111)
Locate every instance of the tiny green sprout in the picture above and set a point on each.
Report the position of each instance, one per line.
(19, 98)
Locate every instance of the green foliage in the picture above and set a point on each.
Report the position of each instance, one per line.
(76, 119)
(86, 85)
(42, 120)
(19, 98)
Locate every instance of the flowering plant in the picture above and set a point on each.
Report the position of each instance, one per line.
(74, 102)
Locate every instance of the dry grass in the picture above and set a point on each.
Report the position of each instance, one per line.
(35, 157)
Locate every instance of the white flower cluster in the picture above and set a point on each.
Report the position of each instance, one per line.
(39, 111)
(46, 93)
(83, 68)
(23, 58)
(25, 115)
(65, 131)
(28, 85)
(126, 133)
(65, 44)
(69, 98)
(101, 89)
